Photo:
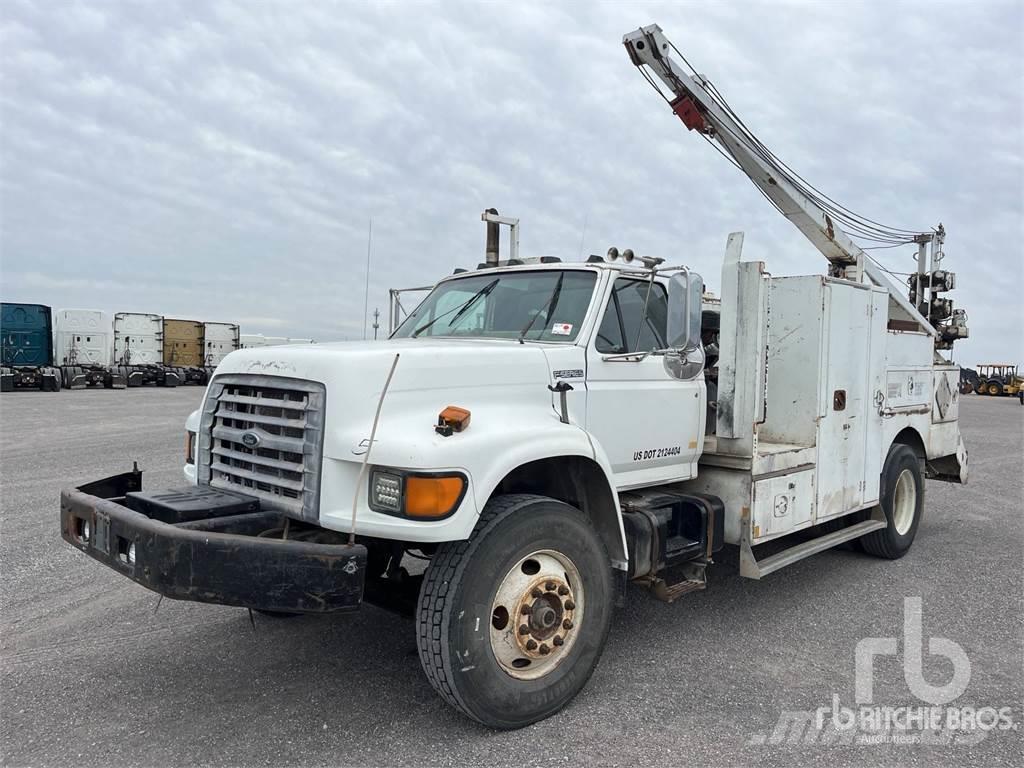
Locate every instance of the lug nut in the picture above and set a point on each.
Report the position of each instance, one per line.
(536, 592)
(563, 591)
(544, 650)
(557, 640)
(531, 645)
(524, 629)
(525, 609)
(570, 605)
(550, 586)
(567, 624)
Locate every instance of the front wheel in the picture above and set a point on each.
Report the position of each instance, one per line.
(511, 623)
(994, 388)
(902, 502)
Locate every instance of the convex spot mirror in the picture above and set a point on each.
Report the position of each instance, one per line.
(685, 356)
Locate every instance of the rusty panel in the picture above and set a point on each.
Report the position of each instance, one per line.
(183, 343)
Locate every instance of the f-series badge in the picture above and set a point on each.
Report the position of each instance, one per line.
(568, 373)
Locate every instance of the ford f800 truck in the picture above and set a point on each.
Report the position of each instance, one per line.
(539, 435)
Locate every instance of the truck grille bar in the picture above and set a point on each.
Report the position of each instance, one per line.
(263, 435)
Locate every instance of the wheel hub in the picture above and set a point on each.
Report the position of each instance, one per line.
(536, 613)
(547, 620)
(904, 502)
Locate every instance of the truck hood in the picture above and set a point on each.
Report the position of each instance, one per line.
(423, 363)
(485, 376)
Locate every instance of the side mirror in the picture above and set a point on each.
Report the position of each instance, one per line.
(685, 358)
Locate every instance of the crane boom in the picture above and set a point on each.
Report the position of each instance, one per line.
(699, 110)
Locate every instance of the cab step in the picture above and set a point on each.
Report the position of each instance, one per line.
(694, 579)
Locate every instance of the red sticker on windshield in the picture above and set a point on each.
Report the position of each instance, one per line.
(561, 329)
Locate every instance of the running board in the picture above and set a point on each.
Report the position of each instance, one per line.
(751, 568)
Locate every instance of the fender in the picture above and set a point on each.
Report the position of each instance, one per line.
(568, 441)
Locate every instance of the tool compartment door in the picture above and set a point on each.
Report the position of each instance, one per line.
(844, 399)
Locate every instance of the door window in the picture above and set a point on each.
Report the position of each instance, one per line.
(625, 321)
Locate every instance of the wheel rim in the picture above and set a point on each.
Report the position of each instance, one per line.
(904, 502)
(536, 614)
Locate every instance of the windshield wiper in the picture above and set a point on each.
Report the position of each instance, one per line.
(460, 310)
(552, 303)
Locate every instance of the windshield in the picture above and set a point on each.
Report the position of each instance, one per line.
(532, 306)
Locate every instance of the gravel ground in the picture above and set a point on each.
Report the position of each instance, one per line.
(91, 676)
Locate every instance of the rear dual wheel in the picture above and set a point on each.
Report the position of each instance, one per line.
(511, 623)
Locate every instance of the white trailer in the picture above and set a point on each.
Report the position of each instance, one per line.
(545, 433)
(220, 340)
(83, 349)
(139, 350)
(250, 340)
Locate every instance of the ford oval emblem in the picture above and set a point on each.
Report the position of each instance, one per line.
(250, 439)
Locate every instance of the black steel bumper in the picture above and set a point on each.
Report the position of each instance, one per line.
(219, 560)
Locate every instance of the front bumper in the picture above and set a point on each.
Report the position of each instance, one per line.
(220, 560)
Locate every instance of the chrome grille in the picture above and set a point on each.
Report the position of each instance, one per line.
(263, 435)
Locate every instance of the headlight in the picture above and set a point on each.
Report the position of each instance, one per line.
(385, 492)
(417, 495)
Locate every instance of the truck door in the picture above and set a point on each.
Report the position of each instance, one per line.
(648, 423)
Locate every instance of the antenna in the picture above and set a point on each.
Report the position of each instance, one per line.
(583, 234)
(366, 292)
(376, 322)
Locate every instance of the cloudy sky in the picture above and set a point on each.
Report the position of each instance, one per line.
(221, 161)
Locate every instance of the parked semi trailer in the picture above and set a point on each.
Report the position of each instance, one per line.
(84, 340)
(26, 338)
(184, 350)
(220, 339)
(249, 340)
(139, 350)
(538, 432)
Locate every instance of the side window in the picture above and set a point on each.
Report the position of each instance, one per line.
(624, 318)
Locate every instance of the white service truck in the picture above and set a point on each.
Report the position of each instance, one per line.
(536, 435)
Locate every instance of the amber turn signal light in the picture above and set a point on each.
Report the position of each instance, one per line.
(427, 497)
(452, 419)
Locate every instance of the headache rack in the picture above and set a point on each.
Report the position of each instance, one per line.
(263, 435)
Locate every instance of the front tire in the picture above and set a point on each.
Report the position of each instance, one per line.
(512, 622)
(902, 501)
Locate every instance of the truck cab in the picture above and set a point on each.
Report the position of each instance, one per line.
(500, 343)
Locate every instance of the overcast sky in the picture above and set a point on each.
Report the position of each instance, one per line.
(221, 161)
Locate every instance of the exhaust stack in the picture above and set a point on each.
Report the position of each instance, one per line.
(493, 238)
(494, 223)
